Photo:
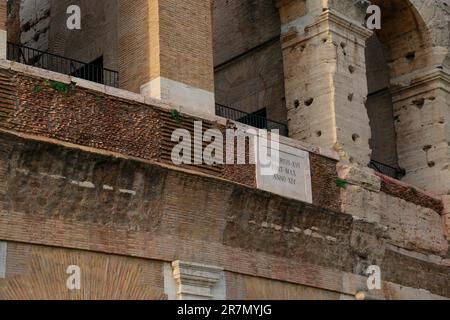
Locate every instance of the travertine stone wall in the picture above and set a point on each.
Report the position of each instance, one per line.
(326, 86)
(415, 225)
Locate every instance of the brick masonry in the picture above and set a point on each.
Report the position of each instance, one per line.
(85, 117)
(64, 197)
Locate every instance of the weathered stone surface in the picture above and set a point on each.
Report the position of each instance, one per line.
(57, 196)
(413, 227)
(363, 177)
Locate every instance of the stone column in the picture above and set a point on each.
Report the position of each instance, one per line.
(422, 122)
(166, 52)
(3, 30)
(325, 79)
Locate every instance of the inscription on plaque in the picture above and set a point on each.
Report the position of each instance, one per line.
(292, 175)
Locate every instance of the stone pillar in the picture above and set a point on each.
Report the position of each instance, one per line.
(3, 30)
(325, 79)
(166, 52)
(422, 122)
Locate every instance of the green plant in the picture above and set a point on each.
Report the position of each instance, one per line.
(37, 89)
(175, 115)
(59, 86)
(341, 183)
(126, 109)
(101, 103)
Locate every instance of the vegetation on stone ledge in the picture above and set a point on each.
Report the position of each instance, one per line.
(341, 183)
(175, 115)
(59, 86)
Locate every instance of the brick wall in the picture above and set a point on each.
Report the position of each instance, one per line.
(59, 196)
(185, 35)
(39, 272)
(133, 46)
(88, 118)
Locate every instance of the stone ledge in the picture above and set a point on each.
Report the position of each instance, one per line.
(409, 193)
(363, 177)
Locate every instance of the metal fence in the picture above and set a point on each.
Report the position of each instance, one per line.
(60, 64)
(387, 170)
(253, 120)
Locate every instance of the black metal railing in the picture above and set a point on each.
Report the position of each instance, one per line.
(387, 170)
(253, 120)
(60, 64)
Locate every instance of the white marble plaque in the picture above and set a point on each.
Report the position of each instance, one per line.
(293, 177)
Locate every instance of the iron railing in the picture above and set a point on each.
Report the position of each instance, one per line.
(253, 120)
(387, 170)
(60, 64)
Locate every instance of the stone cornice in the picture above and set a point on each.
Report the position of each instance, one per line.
(416, 83)
(323, 23)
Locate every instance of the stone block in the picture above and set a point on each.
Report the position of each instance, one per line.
(363, 177)
(292, 178)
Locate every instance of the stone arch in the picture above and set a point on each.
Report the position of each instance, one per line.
(397, 49)
(406, 101)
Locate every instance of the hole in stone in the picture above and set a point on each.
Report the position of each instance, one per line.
(410, 56)
(351, 69)
(355, 137)
(431, 164)
(427, 147)
(432, 98)
(350, 96)
(343, 45)
(296, 103)
(324, 40)
(419, 103)
(319, 133)
(309, 102)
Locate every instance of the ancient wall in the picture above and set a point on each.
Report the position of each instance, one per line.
(247, 57)
(42, 25)
(86, 117)
(85, 171)
(97, 37)
(112, 204)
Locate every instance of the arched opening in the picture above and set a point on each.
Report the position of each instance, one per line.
(393, 52)
(249, 77)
